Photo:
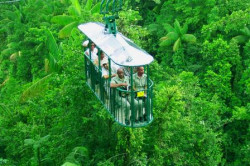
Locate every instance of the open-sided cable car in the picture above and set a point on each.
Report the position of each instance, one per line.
(119, 73)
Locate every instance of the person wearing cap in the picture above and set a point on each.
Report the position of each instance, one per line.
(140, 86)
(121, 98)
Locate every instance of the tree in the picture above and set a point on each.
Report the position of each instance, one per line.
(76, 16)
(176, 35)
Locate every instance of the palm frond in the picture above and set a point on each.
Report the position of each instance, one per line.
(245, 31)
(184, 29)
(177, 26)
(241, 39)
(168, 28)
(69, 164)
(189, 38)
(35, 89)
(166, 43)
(172, 36)
(177, 45)
(51, 44)
(46, 65)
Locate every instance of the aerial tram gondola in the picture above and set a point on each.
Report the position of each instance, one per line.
(119, 77)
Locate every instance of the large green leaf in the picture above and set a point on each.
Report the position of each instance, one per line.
(88, 5)
(184, 29)
(169, 39)
(96, 8)
(177, 45)
(172, 36)
(52, 62)
(177, 27)
(66, 31)
(166, 43)
(70, 164)
(52, 45)
(73, 11)
(245, 31)
(62, 19)
(189, 38)
(241, 39)
(168, 28)
(77, 6)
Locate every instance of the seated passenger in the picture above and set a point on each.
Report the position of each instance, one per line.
(103, 59)
(140, 85)
(105, 71)
(93, 52)
(121, 98)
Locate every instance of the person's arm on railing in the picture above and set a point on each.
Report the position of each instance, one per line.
(112, 85)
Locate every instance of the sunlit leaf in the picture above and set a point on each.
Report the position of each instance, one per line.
(70, 164)
(189, 38)
(177, 45)
(77, 6)
(66, 31)
(96, 8)
(168, 28)
(177, 26)
(88, 5)
(62, 19)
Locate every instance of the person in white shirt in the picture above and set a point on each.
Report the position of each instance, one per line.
(94, 52)
(105, 71)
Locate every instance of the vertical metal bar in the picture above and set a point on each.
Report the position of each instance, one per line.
(99, 58)
(90, 50)
(114, 6)
(107, 6)
(86, 67)
(99, 75)
(132, 97)
(101, 8)
(151, 98)
(111, 93)
(91, 68)
(109, 71)
(147, 111)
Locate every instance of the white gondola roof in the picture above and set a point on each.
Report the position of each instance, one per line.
(119, 48)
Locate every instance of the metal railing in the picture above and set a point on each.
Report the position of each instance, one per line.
(127, 109)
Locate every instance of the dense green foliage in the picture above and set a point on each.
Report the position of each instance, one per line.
(48, 116)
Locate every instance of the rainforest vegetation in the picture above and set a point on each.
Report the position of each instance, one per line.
(201, 74)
